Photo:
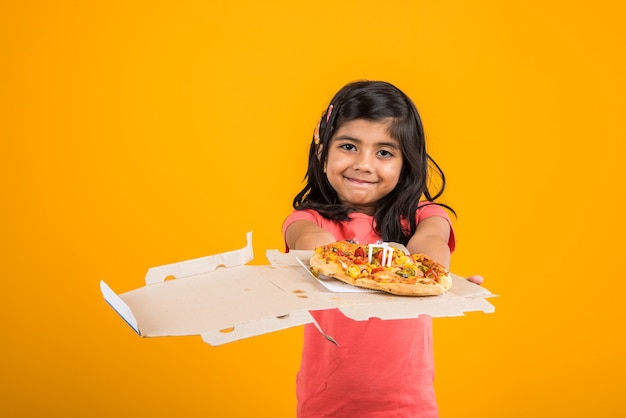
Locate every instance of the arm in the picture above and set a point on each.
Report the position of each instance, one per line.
(306, 235)
(431, 238)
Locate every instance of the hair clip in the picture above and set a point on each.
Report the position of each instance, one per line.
(316, 133)
(328, 113)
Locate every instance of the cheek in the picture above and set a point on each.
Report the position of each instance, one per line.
(333, 165)
(392, 173)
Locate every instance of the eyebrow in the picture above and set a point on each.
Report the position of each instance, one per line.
(392, 144)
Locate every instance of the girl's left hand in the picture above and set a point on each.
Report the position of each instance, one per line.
(476, 279)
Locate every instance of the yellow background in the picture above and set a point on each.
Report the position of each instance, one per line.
(136, 134)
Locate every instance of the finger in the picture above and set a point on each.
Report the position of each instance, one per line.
(476, 279)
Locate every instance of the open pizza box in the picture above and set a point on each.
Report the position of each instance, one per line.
(222, 299)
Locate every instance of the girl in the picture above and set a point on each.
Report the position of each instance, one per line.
(367, 180)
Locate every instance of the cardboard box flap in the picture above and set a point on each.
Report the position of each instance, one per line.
(119, 306)
(258, 327)
(446, 305)
(255, 328)
(239, 301)
(201, 265)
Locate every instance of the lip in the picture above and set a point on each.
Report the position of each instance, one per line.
(358, 181)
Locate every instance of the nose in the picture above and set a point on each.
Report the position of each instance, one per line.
(363, 161)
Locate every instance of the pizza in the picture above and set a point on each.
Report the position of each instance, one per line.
(381, 267)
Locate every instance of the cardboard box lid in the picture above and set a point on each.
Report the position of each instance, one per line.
(222, 299)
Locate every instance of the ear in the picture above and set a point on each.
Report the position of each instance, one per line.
(319, 151)
(319, 155)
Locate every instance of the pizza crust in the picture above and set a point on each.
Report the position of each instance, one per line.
(320, 265)
(407, 289)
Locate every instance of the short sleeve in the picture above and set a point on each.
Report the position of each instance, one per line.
(301, 215)
(427, 209)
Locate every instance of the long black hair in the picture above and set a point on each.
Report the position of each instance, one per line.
(374, 101)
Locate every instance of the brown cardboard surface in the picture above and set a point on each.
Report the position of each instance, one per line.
(222, 300)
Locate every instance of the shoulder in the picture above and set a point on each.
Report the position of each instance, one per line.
(427, 209)
(302, 215)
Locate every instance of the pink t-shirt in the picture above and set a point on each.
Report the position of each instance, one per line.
(379, 368)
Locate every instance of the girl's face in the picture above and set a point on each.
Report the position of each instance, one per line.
(363, 163)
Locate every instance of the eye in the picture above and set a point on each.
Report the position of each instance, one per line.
(347, 147)
(385, 153)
